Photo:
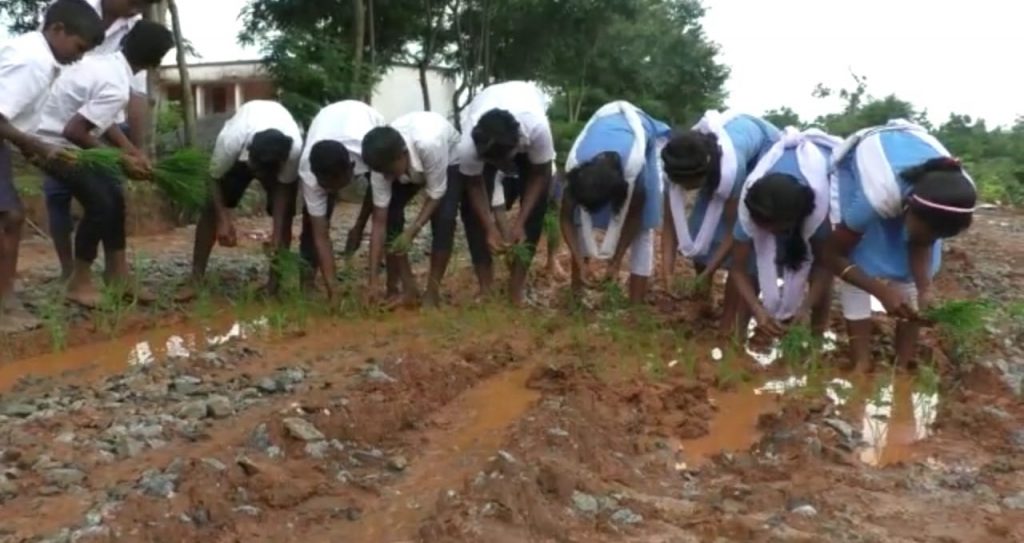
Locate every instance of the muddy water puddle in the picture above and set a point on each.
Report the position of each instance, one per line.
(894, 414)
(115, 355)
(473, 428)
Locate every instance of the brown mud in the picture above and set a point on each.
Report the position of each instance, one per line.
(480, 423)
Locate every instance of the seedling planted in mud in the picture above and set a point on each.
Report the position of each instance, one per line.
(962, 324)
(116, 301)
(797, 345)
(520, 253)
(55, 316)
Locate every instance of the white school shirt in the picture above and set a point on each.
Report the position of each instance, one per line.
(347, 123)
(527, 104)
(27, 70)
(252, 118)
(432, 143)
(112, 43)
(98, 88)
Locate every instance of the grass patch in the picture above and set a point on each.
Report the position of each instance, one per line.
(962, 324)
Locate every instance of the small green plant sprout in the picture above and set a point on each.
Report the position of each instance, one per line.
(101, 159)
(54, 313)
(927, 379)
(552, 228)
(614, 297)
(116, 302)
(399, 245)
(182, 178)
(521, 254)
(962, 324)
(797, 345)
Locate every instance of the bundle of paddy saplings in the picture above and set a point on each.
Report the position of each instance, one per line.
(180, 176)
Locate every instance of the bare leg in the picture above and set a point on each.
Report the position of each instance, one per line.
(907, 333)
(638, 288)
(206, 234)
(438, 267)
(394, 275)
(860, 344)
(517, 283)
(410, 291)
(821, 312)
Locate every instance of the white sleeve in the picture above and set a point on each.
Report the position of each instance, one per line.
(315, 197)
(469, 163)
(140, 84)
(381, 188)
(290, 170)
(226, 151)
(435, 168)
(498, 196)
(542, 145)
(105, 105)
(20, 86)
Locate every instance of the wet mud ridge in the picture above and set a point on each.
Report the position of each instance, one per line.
(479, 423)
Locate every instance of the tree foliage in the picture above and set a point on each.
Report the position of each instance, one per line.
(993, 157)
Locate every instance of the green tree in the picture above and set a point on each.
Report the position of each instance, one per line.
(783, 117)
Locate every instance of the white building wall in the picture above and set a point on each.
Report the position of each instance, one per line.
(398, 92)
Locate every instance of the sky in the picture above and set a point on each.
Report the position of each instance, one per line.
(942, 55)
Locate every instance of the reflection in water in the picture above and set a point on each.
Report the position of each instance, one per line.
(875, 427)
(838, 391)
(926, 408)
(782, 386)
(766, 356)
(141, 355)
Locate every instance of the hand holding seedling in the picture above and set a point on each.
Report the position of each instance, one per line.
(136, 166)
(401, 244)
(896, 305)
(495, 242)
(767, 323)
(226, 235)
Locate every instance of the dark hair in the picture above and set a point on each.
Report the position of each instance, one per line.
(692, 154)
(781, 199)
(78, 18)
(146, 44)
(329, 157)
(942, 181)
(382, 146)
(598, 182)
(270, 148)
(496, 135)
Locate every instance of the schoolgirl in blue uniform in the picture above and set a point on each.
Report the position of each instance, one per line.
(714, 159)
(614, 184)
(897, 193)
(783, 223)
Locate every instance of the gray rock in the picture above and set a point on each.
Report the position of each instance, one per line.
(1017, 439)
(267, 385)
(64, 477)
(7, 489)
(584, 503)
(128, 447)
(259, 439)
(220, 407)
(187, 385)
(156, 484)
(557, 432)
(214, 464)
(147, 431)
(65, 438)
(194, 410)
(626, 516)
(317, 449)
(805, 510)
(371, 457)
(247, 510)
(274, 452)
(374, 374)
(18, 410)
(64, 536)
(302, 429)
(1014, 502)
(91, 533)
(398, 463)
(843, 428)
(290, 376)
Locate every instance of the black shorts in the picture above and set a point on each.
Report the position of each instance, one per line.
(234, 184)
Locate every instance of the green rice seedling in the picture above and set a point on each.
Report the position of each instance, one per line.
(962, 324)
(927, 379)
(613, 296)
(521, 254)
(552, 228)
(102, 159)
(182, 177)
(55, 316)
(797, 345)
(399, 245)
(115, 304)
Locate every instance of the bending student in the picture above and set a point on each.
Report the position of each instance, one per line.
(897, 193)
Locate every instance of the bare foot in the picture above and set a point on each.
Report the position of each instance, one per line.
(431, 298)
(85, 295)
(555, 271)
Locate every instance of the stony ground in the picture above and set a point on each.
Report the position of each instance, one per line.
(232, 420)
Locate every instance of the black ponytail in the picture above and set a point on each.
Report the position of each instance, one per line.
(692, 154)
(780, 199)
(598, 182)
(942, 195)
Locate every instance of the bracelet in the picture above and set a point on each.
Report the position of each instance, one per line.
(846, 271)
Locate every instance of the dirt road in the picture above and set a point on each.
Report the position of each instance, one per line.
(235, 420)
